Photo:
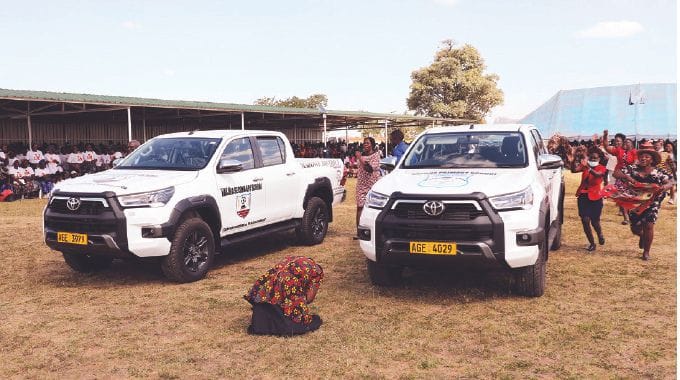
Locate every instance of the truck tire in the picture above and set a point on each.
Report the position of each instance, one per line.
(86, 263)
(191, 253)
(530, 280)
(383, 275)
(314, 224)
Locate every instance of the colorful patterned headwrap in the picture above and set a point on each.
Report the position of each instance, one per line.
(286, 285)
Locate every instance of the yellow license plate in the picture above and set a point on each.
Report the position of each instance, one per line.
(71, 238)
(432, 248)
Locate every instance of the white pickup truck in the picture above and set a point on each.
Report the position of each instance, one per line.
(473, 192)
(183, 196)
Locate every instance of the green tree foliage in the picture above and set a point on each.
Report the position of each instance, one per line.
(313, 101)
(454, 85)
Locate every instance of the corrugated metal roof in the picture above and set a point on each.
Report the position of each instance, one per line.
(644, 110)
(27, 95)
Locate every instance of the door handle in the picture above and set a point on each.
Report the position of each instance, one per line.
(258, 179)
(290, 174)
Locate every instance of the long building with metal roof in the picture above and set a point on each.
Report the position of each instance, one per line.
(55, 117)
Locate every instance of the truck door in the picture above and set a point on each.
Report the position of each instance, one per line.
(242, 201)
(552, 178)
(281, 178)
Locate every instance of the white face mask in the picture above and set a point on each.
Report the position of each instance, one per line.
(593, 164)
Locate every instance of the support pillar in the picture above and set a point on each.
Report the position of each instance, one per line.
(243, 121)
(129, 124)
(30, 131)
(325, 139)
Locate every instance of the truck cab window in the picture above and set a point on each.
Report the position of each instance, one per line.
(241, 151)
(271, 152)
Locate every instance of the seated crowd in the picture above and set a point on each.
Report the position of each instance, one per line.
(33, 171)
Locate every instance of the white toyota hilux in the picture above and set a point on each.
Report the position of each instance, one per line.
(183, 196)
(473, 192)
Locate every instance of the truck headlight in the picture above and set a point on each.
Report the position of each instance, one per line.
(376, 200)
(521, 199)
(156, 198)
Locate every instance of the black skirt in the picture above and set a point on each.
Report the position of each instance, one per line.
(589, 209)
(269, 319)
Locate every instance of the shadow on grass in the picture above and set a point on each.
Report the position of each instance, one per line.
(148, 271)
(464, 283)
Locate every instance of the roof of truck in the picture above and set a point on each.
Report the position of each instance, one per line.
(219, 133)
(479, 128)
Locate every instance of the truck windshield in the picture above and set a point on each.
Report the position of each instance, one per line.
(468, 150)
(180, 153)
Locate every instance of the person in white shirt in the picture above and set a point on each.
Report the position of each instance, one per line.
(75, 159)
(105, 159)
(44, 177)
(34, 155)
(12, 158)
(90, 160)
(63, 157)
(53, 159)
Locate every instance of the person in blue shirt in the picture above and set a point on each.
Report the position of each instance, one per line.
(397, 140)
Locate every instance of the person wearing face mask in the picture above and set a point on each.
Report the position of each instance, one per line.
(588, 194)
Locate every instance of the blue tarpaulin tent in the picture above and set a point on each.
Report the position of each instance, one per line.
(642, 110)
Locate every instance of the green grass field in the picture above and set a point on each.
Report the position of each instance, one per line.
(604, 315)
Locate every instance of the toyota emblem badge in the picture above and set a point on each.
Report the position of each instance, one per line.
(433, 208)
(73, 204)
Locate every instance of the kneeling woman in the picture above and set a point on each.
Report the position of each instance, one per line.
(280, 298)
(589, 198)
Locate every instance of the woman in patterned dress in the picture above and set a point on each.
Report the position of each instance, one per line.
(368, 174)
(280, 298)
(644, 177)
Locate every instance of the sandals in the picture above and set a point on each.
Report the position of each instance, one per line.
(591, 248)
(625, 222)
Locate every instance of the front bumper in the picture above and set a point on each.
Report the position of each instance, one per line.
(111, 230)
(480, 233)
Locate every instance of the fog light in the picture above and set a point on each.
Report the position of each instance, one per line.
(523, 238)
(152, 231)
(364, 233)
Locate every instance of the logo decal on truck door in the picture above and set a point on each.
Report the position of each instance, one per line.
(243, 205)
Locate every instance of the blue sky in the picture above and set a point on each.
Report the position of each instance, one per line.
(359, 53)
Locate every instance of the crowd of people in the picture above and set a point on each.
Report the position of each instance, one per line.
(32, 171)
(636, 179)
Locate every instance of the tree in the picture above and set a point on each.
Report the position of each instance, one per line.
(454, 85)
(313, 101)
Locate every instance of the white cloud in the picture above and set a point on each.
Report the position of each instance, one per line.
(130, 25)
(611, 29)
(448, 3)
(168, 72)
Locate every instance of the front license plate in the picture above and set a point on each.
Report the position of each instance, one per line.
(432, 248)
(71, 238)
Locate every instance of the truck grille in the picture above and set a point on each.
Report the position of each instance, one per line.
(87, 207)
(455, 211)
(435, 233)
(81, 226)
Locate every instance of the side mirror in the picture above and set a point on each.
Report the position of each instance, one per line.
(229, 166)
(549, 161)
(388, 163)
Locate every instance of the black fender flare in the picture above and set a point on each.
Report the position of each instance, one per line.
(544, 220)
(322, 188)
(204, 205)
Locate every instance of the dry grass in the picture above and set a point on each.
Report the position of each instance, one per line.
(604, 315)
